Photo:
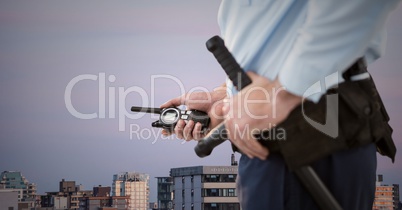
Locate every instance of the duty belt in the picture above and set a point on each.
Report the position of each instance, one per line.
(361, 120)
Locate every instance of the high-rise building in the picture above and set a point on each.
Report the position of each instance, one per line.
(386, 196)
(101, 191)
(104, 202)
(165, 193)
(9, 199)
(67, 186)
(101, 199)
(15, 180)
(68, 196)
(135, 185)
(205, 187)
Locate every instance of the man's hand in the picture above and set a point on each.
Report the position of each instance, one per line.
(260, 106)
(209, 102)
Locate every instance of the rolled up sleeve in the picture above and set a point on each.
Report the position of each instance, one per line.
(335, 34)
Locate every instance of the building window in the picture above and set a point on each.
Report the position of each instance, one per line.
(231, 192)
(211, 178)
(228, 178)
(211, 192)
(231, 178)
(214, 192)
(219, 178)
(212, 206)
(222, 206)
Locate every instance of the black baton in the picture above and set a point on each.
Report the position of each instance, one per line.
(306, 174)
(239, 79)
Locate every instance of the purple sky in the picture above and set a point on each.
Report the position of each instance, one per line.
(45, 44)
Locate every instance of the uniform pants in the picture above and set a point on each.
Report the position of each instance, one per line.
(349, 175)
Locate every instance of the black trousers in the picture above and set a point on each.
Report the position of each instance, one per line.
(350, 175)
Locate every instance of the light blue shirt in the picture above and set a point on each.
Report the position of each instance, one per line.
(306, 43)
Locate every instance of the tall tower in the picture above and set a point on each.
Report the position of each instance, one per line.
(165, 193)
(386, 196)
(233, 161)
(205, 187)
(135, 185)
(15, 180)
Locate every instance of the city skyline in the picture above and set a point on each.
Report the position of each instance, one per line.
(385, 191)
(157, 47)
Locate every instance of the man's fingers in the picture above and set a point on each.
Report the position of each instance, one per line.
(197, 132)
(166, 132)
(251, 147)
(178, 130)
(237, 140)
(258, 150)
(241, 146)
(247, 144)
(188, 130)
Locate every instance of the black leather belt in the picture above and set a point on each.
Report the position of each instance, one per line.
(359, 67)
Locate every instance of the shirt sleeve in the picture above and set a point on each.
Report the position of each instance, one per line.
(335, 34)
